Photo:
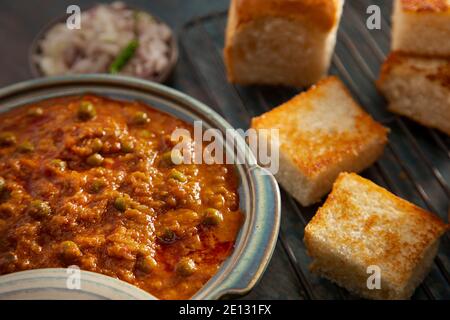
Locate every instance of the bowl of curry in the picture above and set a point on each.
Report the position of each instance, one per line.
(88, 179)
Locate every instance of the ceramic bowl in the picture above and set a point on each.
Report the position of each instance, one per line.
(34, 50)
(258, 190)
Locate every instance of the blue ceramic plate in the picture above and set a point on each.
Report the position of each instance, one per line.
(259, 193)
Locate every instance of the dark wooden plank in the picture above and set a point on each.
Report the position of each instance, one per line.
(279, 281)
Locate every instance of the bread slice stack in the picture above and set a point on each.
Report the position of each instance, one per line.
(363, 234)
(415, 78)
(322, 132)
(280, 42)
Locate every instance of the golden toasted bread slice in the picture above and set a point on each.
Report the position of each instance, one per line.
(418, 88)
(421, 27)
(362, 229)
(322, 132)
(285, 42)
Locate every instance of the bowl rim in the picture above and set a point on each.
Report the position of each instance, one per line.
(33, 49)
(100, 285)
(255, 244)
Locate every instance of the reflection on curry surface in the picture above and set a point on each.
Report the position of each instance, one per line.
(89, 181)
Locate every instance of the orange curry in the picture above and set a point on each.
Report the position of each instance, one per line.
(90, 181)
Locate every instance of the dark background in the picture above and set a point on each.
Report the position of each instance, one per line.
(20, 20)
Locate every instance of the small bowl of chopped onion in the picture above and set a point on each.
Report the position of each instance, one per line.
(112, 38)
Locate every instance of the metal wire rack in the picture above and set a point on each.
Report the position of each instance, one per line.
(415, 166)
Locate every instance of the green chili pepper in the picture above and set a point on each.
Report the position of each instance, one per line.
(123, 57)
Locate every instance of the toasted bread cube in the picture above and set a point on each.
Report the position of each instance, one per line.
(421, 27)
(418, 88)
(362, 225)
(322, 132)
(280, 42)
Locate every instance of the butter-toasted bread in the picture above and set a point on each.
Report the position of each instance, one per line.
(418, 88)
(322, 132)
(362, 225)
(282, 42)
(421, 27)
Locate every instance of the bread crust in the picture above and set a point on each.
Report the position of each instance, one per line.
(418, 87)
(437, 226)
(362, 224)
(322, 132)
(421, 27)
(323, 13)
(346, 145)
(425, 6)
(314, 21)
(397, 58)
(229, 34)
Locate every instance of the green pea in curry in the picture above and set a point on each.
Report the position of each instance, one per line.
(88, 181)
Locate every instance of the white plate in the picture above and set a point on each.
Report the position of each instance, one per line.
(62, 284)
